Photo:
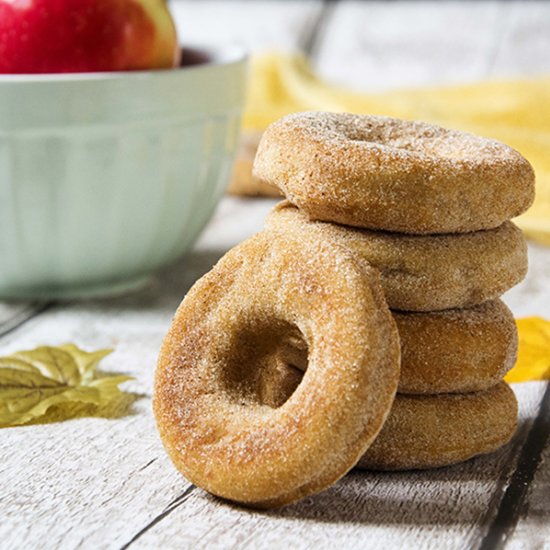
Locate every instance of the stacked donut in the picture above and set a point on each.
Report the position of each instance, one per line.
(430, 208)
(284, 366)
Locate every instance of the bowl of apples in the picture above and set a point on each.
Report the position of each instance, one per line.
(116, 144)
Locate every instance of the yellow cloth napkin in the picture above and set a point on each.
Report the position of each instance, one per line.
(515, 112)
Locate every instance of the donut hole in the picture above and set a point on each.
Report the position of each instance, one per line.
(427, 143)
(362, 136)
(395, 138)
(265, 365)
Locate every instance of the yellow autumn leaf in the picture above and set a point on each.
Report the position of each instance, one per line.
(33, 381)
(533, 361)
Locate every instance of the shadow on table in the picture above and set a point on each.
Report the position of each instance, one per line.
(167, 288)
(467, 493)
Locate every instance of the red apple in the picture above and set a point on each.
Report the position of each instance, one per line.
(61, 36)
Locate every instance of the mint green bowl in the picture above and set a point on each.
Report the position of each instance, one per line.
(105, 177)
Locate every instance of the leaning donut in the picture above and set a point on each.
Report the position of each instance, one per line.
(220, 426)
(383, 173)
(425, 272)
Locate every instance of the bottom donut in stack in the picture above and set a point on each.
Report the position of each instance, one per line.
(452, 364)
(428, 431)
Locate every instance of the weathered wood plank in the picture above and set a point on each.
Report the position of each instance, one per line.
(254, 25)
(14, 314)
(533, 528)
(532, 296)
(449, 507)
(73, 501)
(524, 40)
(382, 45)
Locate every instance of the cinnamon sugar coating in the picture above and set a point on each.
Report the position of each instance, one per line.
(457, 350)
(216, 401)
(395, 175)
(432, 431)
(424, 272)
(451, 351)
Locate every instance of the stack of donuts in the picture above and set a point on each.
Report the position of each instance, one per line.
(363, 327)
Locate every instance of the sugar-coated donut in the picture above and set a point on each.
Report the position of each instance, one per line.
(219, 419)
(425, 272)
(457, 350)
(451, 351)
(395, 175)
(432, 431)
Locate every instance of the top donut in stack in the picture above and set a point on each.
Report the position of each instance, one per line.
(394, 175)
(430, 208)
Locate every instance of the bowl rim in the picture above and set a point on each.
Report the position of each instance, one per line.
(218, 56)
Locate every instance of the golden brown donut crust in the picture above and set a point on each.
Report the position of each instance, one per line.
(457, 350)
(395, 175)
(451, 351)
(432, 431)
(242, 182)
(217, 418)
(425, 272)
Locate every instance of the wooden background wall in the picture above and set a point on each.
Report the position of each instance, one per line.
(384, 44)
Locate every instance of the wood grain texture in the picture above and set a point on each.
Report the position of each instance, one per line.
(446, 507)
(261, 24)
(95, 481)
(503, 526)
(381, 45)
(533, 529)
(14, 314)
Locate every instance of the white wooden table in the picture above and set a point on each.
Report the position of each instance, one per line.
(102, 480)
